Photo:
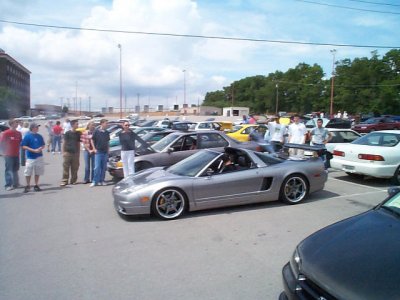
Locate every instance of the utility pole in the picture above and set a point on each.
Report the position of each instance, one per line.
(277, 100)
(332, 81)
(120, 81)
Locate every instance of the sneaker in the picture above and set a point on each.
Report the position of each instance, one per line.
(9, 188)
(63, 184)
(87, 181)
(26, 189)
(74, 183)
(92, 184)
(37, 188)
(52, 152)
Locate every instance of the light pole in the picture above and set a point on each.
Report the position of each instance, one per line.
(120, 81)
(332, 81)
(277, 99)
(184, 88)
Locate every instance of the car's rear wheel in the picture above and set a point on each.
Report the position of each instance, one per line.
(396, 176)
(169, 203)
(294, 189)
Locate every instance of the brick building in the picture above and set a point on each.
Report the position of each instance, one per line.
(15, 87)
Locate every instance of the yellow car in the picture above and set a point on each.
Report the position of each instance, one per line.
(241, 132)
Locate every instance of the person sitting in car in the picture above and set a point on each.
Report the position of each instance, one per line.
(228, 164)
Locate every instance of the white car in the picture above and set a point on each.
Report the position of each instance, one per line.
(376, 154)
(339, 137)
(207, 125)
(39, 117)
(24, 118)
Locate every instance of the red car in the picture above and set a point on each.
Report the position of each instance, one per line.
(375, 124)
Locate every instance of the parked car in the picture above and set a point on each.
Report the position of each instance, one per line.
(329, 123)
(357, 258)
(199, 182)
(376, 154)
(375, 124)
(175, 147)
(25, 118)
(206, 125)
(39, 117)
(242, 132)
(182, 125)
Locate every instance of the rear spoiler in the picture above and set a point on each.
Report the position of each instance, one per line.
(317, 150)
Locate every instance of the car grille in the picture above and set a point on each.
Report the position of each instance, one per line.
(308, 290)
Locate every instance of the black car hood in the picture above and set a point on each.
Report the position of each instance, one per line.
(358, 258)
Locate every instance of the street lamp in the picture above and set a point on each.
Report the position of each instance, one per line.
(332, 81)
(120, 81)
(184, 88)
(277, 99)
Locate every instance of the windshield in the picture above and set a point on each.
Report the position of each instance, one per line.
(393, 204)
(343, 136)
(164, 142)
(378, 139)
(195, 163)
(370, 121)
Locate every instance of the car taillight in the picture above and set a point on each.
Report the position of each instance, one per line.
(371, 157)
(338, 153)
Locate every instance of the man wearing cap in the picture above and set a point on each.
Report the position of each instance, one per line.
(9, 144)
(33, 143)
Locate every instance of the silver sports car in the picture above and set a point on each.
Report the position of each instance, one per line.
(210, 179)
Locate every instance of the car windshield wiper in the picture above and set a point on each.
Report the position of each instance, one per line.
(393, 210)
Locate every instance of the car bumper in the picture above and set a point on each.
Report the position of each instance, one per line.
(116, 172)
(125, 207)
(289, 284)
(368, 168)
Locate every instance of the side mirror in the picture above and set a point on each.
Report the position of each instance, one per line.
(393, 191)
(170, 149)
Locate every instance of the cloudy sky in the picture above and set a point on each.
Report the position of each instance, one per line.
(158, 44)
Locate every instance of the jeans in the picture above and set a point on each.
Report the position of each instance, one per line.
(100, 167)
(56, 141)
(89, 165)
(11, 171)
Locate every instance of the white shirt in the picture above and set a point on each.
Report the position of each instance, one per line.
(297, 133)
(67, 127)
(276, 131)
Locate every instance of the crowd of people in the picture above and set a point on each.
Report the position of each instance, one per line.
(23, 145)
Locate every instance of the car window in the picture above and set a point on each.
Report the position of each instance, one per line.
(247, 130)
(192, 165)
(343, 137)
(211, 140)
(268, 159)
(378, 139)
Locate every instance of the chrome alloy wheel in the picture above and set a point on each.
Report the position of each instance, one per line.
(294, 189)
(169, 204)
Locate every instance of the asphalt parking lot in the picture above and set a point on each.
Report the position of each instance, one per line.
(69, 243)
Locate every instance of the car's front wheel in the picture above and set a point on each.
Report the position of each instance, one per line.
(294, 189)
(169, 204)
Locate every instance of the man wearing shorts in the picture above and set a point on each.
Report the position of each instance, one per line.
(33, 143)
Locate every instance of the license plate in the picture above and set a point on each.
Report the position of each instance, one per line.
(348, 167)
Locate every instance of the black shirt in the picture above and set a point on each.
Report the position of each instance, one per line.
(127, 140)
(101, 139)
(71, 141)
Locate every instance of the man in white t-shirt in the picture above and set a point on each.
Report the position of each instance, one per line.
(297, 134)
(276, 132)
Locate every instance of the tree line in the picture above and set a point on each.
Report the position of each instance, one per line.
(361, 85)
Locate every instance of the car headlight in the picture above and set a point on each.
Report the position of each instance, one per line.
(118, 164)
(131, 189)
(295, 263)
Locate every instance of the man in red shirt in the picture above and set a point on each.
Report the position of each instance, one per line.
(10, 142)
(57, 133)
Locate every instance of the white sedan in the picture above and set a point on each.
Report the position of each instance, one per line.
(376, 154)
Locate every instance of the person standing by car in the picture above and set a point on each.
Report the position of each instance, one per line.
(127, 139)
(319, 137)
(100, 143)
(88, 152)
(24, 130)
(10, 142)
(34, 144)
(71, 153)
(277, 132)
(50, 134)
(57, 134)
(297, 134)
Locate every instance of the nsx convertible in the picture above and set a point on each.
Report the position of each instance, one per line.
(210, 179)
